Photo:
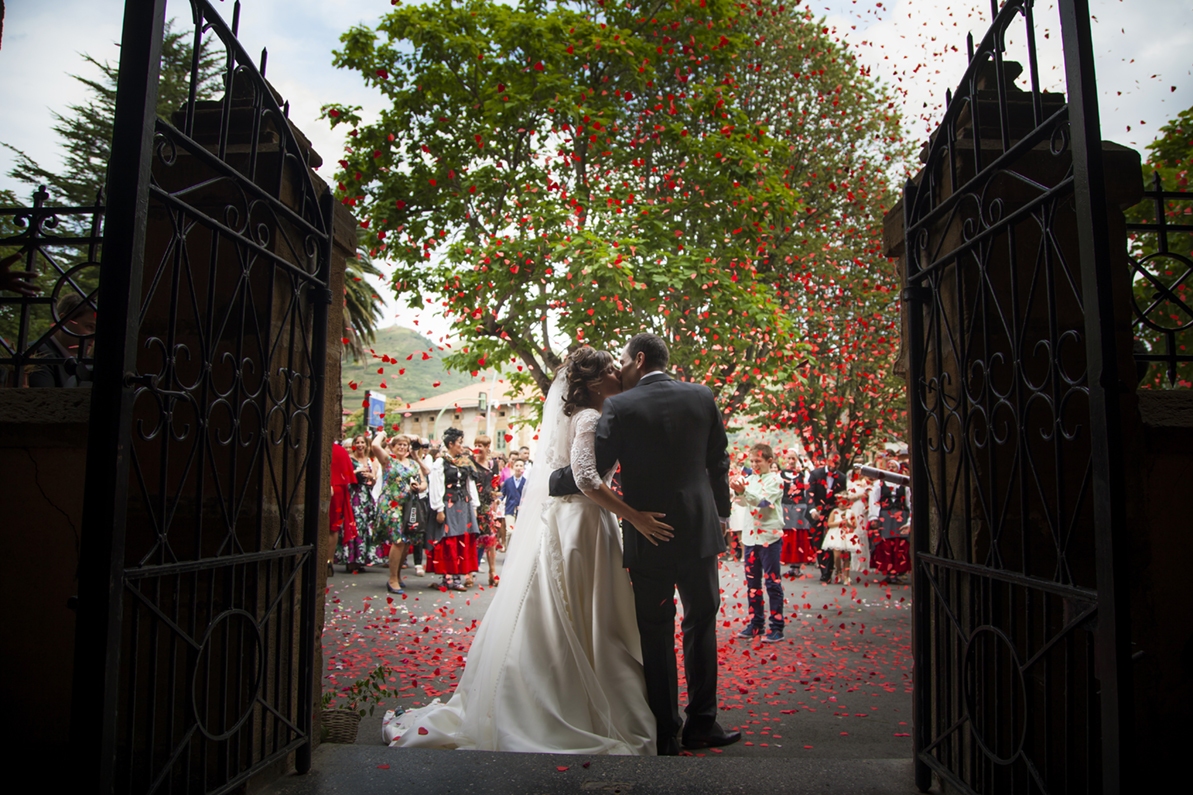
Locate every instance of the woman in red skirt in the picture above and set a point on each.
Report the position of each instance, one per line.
(797, 544)
(451, 537)
(890, 516)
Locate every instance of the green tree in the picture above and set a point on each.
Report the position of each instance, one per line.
(557, 174)
(844, 150)
(1165, 292)
(530, 172)
(85, 137)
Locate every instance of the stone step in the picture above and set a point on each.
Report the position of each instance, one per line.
(359, 770)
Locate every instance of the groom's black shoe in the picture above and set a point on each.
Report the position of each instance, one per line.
(714, 738)
(669, 747)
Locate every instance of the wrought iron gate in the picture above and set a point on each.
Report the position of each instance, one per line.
(195, 640)
(1020, 630)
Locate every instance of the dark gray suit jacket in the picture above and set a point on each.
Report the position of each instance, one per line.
(670, 440)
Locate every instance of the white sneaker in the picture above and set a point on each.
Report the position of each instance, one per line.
(419, 571)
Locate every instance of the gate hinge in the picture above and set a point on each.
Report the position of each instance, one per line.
(321, 296)
(921, 294)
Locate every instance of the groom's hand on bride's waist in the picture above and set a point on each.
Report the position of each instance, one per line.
(562, 483)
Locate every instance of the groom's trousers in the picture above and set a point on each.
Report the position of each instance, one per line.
(654, 599)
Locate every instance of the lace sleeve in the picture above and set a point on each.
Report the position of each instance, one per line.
(583, 462)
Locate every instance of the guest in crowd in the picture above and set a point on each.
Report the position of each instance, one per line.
(890, 515)
(487, 478)
(511, 491)
(797, 544)
(527, 464)
(825, 484)
(761, 493)
(341, 522)
(739, 517)
(364, 507)
(397, 517)
(499, 466)
(72, 341)
(420, 453)
(454, 500)
(844, 535)
(17, 281)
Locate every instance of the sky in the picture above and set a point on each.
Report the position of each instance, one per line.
(1144, 64)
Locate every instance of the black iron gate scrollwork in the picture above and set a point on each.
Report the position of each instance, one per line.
(1020, 631)
(195, 643)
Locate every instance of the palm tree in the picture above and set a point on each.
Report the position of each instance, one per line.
(362, 305)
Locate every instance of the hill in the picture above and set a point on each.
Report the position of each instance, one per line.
(411, 364)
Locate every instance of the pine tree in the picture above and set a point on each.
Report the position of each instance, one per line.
(85, 131)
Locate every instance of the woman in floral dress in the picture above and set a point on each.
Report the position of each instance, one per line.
(402, 482)
(363, 506)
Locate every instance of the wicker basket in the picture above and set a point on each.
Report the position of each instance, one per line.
(341, 725)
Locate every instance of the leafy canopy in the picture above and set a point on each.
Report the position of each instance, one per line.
(555, 174)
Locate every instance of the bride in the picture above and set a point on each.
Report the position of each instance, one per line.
(556, 665)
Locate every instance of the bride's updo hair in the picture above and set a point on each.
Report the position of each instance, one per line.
(585, 368)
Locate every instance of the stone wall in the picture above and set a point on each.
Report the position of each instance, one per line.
(43, 452)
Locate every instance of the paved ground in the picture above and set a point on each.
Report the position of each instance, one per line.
(839, 686)
(367, 769)
(826, 711)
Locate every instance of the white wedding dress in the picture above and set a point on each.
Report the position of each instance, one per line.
(556, 665)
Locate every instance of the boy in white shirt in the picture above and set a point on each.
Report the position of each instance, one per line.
(762, 492)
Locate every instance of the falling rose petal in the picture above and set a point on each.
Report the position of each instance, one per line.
(383, 767)
(562, 768)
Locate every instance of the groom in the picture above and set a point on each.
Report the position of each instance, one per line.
(670, 440)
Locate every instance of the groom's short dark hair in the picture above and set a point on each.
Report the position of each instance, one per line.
(653, 347)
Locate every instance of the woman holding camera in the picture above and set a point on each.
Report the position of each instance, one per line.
(402, 483)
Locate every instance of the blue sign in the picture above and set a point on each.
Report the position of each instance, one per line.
(376, 409)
